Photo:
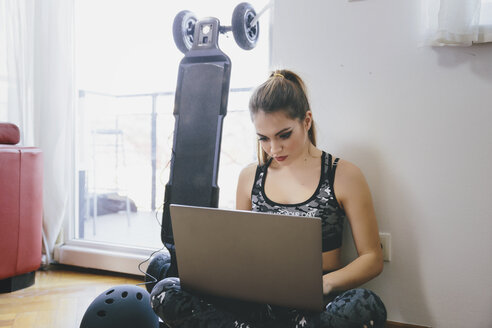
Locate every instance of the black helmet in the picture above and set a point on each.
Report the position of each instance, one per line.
(121, 307)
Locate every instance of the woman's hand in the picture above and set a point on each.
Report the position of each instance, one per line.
(327, 287)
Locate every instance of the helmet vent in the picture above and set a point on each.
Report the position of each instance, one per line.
(124, 294)
(109, 301)
(101, 313)
(139, 296)
(109, 292)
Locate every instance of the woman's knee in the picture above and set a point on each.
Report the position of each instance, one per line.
(358, 308)
(165, 293)
(160, 289)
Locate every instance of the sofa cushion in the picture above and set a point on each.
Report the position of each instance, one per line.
(9, 134)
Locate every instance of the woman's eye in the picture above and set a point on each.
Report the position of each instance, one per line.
(262, 138)
(286, 135)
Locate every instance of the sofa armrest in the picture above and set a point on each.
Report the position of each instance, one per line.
(9, 134)
(21, 207)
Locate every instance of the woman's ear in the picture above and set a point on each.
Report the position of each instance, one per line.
(308, 120)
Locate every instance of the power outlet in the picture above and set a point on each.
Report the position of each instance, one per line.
(385, 238)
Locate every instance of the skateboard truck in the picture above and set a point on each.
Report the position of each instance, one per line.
(244, 26)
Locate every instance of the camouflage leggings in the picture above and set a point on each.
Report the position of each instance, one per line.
(179, 309)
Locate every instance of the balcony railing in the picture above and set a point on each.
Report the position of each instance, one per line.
(124, 147)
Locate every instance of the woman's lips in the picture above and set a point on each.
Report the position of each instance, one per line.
(280, 158)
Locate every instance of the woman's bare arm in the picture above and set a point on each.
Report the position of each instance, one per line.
(353, 194)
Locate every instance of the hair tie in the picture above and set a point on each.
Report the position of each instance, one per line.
(278, 74)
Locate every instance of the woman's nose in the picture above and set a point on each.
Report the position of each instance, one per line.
(275, 147)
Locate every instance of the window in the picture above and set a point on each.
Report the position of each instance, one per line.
(126, 67)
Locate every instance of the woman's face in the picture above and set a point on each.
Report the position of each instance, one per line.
(281, 137)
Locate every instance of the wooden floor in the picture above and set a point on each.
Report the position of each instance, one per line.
(58, 299)
(61, 295)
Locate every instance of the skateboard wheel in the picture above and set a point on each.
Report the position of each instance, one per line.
(158, 267)
(183, 30)
(245, 35)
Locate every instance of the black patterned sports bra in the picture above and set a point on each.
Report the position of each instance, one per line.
(322, 203)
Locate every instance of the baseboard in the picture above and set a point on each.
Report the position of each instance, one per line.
(393, 324)
(103, 259)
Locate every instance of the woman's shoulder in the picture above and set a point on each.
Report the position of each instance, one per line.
(341, 163)
(248, 172)
(349, 180)
(346, 171)
(244, 186)
(346, 168)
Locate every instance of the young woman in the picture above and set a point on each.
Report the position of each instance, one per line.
(293, 176)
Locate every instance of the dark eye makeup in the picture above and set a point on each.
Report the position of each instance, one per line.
(286, 135)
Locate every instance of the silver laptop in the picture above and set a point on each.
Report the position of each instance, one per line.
(251, 256)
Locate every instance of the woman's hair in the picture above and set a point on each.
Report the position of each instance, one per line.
(283, 91)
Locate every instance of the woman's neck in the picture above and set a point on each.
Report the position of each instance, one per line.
(309, 157)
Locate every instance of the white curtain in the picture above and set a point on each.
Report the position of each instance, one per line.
(40, 46)
(457, 23)
(19, 30)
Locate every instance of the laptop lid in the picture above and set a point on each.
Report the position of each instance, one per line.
(251, 256)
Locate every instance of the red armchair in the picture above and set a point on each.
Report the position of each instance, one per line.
(21, 190)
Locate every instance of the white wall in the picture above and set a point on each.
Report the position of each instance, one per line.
(417, 121)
